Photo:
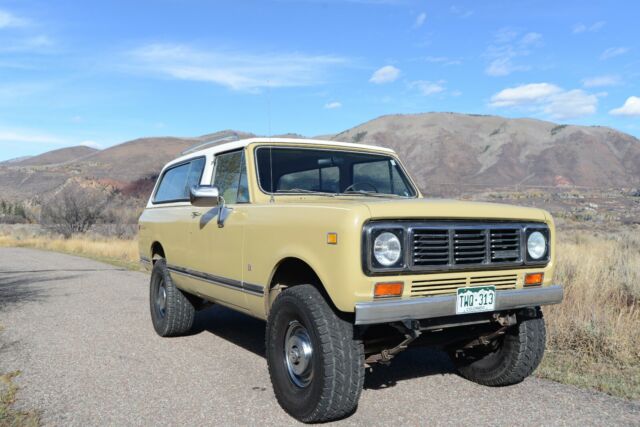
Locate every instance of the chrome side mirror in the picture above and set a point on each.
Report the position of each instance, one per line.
(204, 196)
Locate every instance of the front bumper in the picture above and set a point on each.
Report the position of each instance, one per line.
(373, 312)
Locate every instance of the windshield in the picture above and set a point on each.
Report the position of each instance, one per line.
(301, 170)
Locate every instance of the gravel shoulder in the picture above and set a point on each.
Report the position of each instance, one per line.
(79, 330)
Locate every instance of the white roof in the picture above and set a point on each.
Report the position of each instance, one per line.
(212, 150)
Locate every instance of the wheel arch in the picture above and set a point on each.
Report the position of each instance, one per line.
(293, 271)
(157, 251)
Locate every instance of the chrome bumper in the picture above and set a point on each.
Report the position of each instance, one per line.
(439, 306)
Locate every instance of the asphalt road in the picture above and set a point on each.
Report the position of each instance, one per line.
(80, 332)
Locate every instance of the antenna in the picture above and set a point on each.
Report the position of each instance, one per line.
(272, 199)
(229, 138)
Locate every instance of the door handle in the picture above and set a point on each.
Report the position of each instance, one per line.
(195, 214)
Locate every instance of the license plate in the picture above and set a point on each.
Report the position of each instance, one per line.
(476, 299)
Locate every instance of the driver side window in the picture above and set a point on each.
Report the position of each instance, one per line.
(230, 176)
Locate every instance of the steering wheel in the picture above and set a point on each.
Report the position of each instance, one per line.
(356, 184)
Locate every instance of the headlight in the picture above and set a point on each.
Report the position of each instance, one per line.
(387, 249)
(536, 245)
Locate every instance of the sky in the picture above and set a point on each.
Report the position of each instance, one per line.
(99, 73)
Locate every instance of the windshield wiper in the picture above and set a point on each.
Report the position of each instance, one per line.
(303, 191)
(369, 193)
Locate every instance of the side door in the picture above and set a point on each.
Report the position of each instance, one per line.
(217, 253)
(171, 213)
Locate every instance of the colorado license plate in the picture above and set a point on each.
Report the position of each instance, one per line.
(476, 299)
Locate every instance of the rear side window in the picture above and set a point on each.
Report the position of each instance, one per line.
(175, 183)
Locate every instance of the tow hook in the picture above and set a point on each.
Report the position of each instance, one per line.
(411, 331)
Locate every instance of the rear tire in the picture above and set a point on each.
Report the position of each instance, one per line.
(172, 313)
(315, 363)
(518, 354)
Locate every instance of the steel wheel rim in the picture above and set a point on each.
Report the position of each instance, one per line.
(298, 354)
(161, 299)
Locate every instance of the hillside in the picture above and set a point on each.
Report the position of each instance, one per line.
(62, 155)
(446, 149)
(131, 166)
(445, 152)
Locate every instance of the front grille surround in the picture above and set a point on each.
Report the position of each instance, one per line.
(431, 246)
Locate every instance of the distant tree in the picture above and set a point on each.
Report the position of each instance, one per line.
(74, 210)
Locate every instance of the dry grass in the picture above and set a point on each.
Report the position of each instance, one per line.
(116, 251)
(10, 417)
(594, 335)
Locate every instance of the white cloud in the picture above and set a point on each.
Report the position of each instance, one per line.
(581, 28)
(547, 99)
(233, 69)
(507, 47)
(443, 60)
(28, 136)
(503, 67)
(525, 94)
(427, 88)
(332, 105)
(8, 20)
(631, 107)
(461, 12)
(569, 104)
(420, 20)
(612, 52)
(531, 38)
(28, 44)
(386, 74)
(92, 144)
(601, 81)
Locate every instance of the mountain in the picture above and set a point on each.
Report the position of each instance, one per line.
(445, 152)
(457, 150)
(131, 166)
(62, 155)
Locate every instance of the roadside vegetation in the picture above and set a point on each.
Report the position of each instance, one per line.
(593, 337)
(113, 250)
(9, 416)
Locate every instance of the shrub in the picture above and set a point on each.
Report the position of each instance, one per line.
(74, 210)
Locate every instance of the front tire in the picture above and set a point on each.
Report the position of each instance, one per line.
(315, 363)
(172, 313)
(516, 356)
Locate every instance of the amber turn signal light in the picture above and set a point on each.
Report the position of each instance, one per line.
(533, 279)
(388, 289)
(332, 238)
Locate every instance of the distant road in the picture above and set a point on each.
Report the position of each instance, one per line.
(80, 332)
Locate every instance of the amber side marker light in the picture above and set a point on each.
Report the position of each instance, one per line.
(332, 238)
(388, 289)
(533, 279)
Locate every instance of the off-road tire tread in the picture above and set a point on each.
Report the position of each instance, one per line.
(180, 312)
(343, 356)
(526, 356)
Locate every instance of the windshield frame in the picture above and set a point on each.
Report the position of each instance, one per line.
(390, 155)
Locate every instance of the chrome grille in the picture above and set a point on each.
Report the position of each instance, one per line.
(447, 286)
(505, 245)
(431, 247)
(469, 246)
(460, 246)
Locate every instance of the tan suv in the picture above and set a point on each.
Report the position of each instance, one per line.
(334, 246)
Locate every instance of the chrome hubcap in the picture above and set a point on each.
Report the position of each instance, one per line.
(298, 354)
(161, 299)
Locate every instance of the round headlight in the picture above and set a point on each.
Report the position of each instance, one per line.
(387, 249)
(536, 245)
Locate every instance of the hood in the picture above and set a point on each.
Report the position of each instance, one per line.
(450, 209)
